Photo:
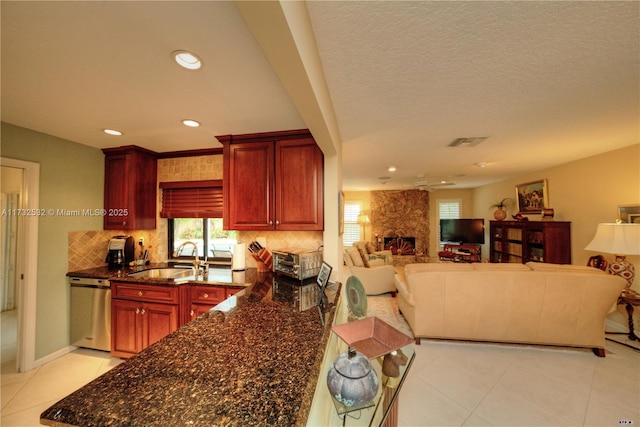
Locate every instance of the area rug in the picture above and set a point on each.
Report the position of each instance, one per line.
(385, 308)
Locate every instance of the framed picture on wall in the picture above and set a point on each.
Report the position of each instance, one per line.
(629, 213)
(532, 197)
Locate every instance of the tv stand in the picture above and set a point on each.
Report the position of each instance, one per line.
(461, 253)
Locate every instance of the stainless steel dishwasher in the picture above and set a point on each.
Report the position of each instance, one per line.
(90, 313)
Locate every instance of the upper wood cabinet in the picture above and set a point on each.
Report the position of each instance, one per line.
(129, 188)
(273, 181)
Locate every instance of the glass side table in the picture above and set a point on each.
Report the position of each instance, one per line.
(383, 410)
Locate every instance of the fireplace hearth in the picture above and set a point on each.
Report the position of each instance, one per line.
(400, 245)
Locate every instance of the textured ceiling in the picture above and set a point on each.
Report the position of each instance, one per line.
(546, 82)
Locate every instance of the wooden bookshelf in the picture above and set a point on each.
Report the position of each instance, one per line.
(524, 241)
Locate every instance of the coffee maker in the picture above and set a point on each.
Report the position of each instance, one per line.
(120, 251)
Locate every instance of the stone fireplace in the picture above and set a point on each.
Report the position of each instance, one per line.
(404, 215)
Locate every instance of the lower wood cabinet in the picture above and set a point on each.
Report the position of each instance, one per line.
(136, 325)
(142, 314)
(203, 298)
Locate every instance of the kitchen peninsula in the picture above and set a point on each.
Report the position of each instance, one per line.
(252, 360)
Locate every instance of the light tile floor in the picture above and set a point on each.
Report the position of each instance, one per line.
(450, 384)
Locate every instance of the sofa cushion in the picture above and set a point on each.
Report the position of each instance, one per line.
(437, 266)
(370, 247)
(356, 259)
(485, 266)
(360, 245)
(568, 268)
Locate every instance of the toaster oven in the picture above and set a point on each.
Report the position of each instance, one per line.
(296, 263)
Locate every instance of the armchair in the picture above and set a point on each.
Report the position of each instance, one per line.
(378, 277)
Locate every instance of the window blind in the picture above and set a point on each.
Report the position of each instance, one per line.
(192, 199)
(351, 226)
(447, 209)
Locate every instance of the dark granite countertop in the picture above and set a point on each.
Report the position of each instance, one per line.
(251, 361)
(216, 276)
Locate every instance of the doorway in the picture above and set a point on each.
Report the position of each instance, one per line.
(18, 279)
(11, 184)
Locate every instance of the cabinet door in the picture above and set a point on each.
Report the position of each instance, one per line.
(250, 203)
(159, 321)
(130, 189)
(116, 192)
(198, 309)
(126, 328)
(143, 172)
(299, 185)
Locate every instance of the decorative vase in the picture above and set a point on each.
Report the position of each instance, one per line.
(351, 380)
(500, 214)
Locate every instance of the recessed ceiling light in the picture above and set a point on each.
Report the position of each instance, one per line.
(112, 132)
(191, 123)
(187, 60)
(480, 164)
(392, 169)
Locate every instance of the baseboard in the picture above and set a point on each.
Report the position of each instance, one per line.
(53, 356)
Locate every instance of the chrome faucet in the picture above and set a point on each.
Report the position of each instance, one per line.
(196, 261)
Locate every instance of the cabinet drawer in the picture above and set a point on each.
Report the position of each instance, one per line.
(207, 294)
(139, 292)
(232, 291)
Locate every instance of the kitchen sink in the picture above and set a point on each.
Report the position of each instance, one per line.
(164, 273)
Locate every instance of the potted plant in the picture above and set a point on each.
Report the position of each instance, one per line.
(501, 208)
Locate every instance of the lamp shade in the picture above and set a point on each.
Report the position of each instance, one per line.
(617, 239)
(363, 219)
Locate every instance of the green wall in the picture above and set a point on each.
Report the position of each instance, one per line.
(71, 177)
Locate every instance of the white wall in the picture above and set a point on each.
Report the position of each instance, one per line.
(585, 192)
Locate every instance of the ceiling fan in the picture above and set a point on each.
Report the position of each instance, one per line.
(431, 186)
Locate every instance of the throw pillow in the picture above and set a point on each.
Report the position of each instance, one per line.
(365, 259)
(376, 259)
(370, 248)
(356, 259)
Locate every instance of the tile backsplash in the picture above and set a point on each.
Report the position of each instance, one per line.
(88, 249)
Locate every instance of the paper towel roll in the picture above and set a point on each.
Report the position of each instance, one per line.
(238, 260)
(239, 277)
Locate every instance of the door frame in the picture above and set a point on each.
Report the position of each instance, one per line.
(27, 263)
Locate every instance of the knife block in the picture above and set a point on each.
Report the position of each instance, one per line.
(264, 260)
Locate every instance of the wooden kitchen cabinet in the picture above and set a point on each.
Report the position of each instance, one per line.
(273, 181)
(141, 314)
(129, 188)
(203, 298)
(525, 241)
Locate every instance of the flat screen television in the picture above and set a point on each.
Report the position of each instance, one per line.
(463, 230)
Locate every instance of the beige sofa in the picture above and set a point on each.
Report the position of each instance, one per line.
(373, 268)
(537, 303)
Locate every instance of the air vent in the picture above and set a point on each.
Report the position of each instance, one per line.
(467, 142)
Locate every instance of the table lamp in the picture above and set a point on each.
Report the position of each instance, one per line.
(619, 239)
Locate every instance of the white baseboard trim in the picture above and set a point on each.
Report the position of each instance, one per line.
(53, 356)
